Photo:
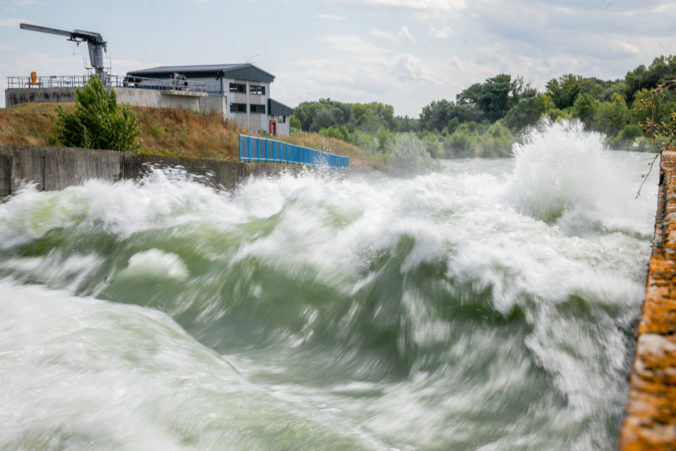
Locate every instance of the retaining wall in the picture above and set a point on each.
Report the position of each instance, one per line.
(16, 96)
(650, 416)
(54, 168)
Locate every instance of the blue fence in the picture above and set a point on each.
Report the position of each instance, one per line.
(261, 150)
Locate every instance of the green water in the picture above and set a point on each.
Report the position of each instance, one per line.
(485, 305)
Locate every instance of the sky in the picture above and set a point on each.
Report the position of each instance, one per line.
(405, 53)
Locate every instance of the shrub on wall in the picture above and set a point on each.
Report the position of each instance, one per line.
(97, 122)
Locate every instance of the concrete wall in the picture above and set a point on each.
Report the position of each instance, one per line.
(650, 415)
(195, 101)
(54, 168)
(16, 96)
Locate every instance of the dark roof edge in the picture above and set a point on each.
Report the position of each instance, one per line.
(276, 108)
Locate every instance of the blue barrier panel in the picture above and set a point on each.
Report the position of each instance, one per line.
(252, 148)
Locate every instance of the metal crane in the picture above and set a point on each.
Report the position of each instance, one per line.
(95, 43)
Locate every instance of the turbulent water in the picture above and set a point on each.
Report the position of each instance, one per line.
(483, 305)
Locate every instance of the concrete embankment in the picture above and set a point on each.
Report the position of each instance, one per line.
(650, 417)
(54, 168)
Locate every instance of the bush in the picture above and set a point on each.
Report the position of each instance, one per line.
(409, 155)
(462, 142)
(496, 142)
(97, 122)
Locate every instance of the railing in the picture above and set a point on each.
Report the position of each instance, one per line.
(262, 150)
(59, 81)
(115, 81)
(163, 84)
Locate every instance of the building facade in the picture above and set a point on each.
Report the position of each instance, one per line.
(243, 90)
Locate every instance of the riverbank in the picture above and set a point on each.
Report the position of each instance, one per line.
(650, 419)
(165, 132)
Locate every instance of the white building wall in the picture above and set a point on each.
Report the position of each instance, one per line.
(251, 121)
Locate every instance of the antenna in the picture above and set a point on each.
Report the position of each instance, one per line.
(251, 59)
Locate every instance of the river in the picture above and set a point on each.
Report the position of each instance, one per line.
(486, 304)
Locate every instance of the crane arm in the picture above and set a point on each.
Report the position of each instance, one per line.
(95, 43)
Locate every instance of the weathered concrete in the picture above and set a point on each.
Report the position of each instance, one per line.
(54, 168)
(650, 416)
(16, 96)
(200, 102)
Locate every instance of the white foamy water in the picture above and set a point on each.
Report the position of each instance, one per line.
(485, 305)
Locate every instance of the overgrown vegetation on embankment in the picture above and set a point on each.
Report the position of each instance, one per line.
(168, 132)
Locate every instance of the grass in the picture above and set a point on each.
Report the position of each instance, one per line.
(167, 132)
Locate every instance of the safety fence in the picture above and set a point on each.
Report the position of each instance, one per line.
(113, 81)
(262, 150)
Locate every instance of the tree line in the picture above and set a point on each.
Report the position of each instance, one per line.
(486, 118)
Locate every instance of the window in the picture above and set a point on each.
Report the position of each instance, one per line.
(281, 119)
(238, 107)
(259, 109)
(238, 87)
(257, 89)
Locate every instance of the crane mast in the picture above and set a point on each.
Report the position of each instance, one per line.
(95, 44)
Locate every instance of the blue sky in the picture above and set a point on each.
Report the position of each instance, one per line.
(402, 52)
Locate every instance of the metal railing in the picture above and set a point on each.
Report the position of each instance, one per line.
(163, 84)
(114, 81)
(59, 81)
(262, 150)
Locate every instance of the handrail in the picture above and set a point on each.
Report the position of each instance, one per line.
(114, 81)
(263, 150)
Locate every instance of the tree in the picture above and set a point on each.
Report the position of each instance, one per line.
(585, 108)
(97, 122)
(611, 117)
(527, 112)
(566, 89)
(492, 97)
(660, 71)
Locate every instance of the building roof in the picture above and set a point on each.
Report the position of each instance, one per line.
(276, 108)
(245, 71)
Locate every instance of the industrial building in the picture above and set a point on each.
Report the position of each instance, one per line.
(240, 91)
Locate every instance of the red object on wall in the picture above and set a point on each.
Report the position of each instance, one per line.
(273, 127)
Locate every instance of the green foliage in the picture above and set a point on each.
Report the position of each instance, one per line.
(566, 89)
(97, 122)
(495, 96)
(660, 71)
(438, 114)
(611, 117)
(629, 135)
(294, 122)
(585, 108)
(325, 113)
(661, 129)
(463, 142)
(385, 139)
(409, 155)
(496, 142)
(527, 112)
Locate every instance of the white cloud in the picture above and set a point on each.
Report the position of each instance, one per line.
(429, 5)
(443, 31)
(330, 17)
(353, 45)
(13, 22)
(402, 35)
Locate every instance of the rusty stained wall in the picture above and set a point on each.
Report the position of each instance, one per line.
(650, 416)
